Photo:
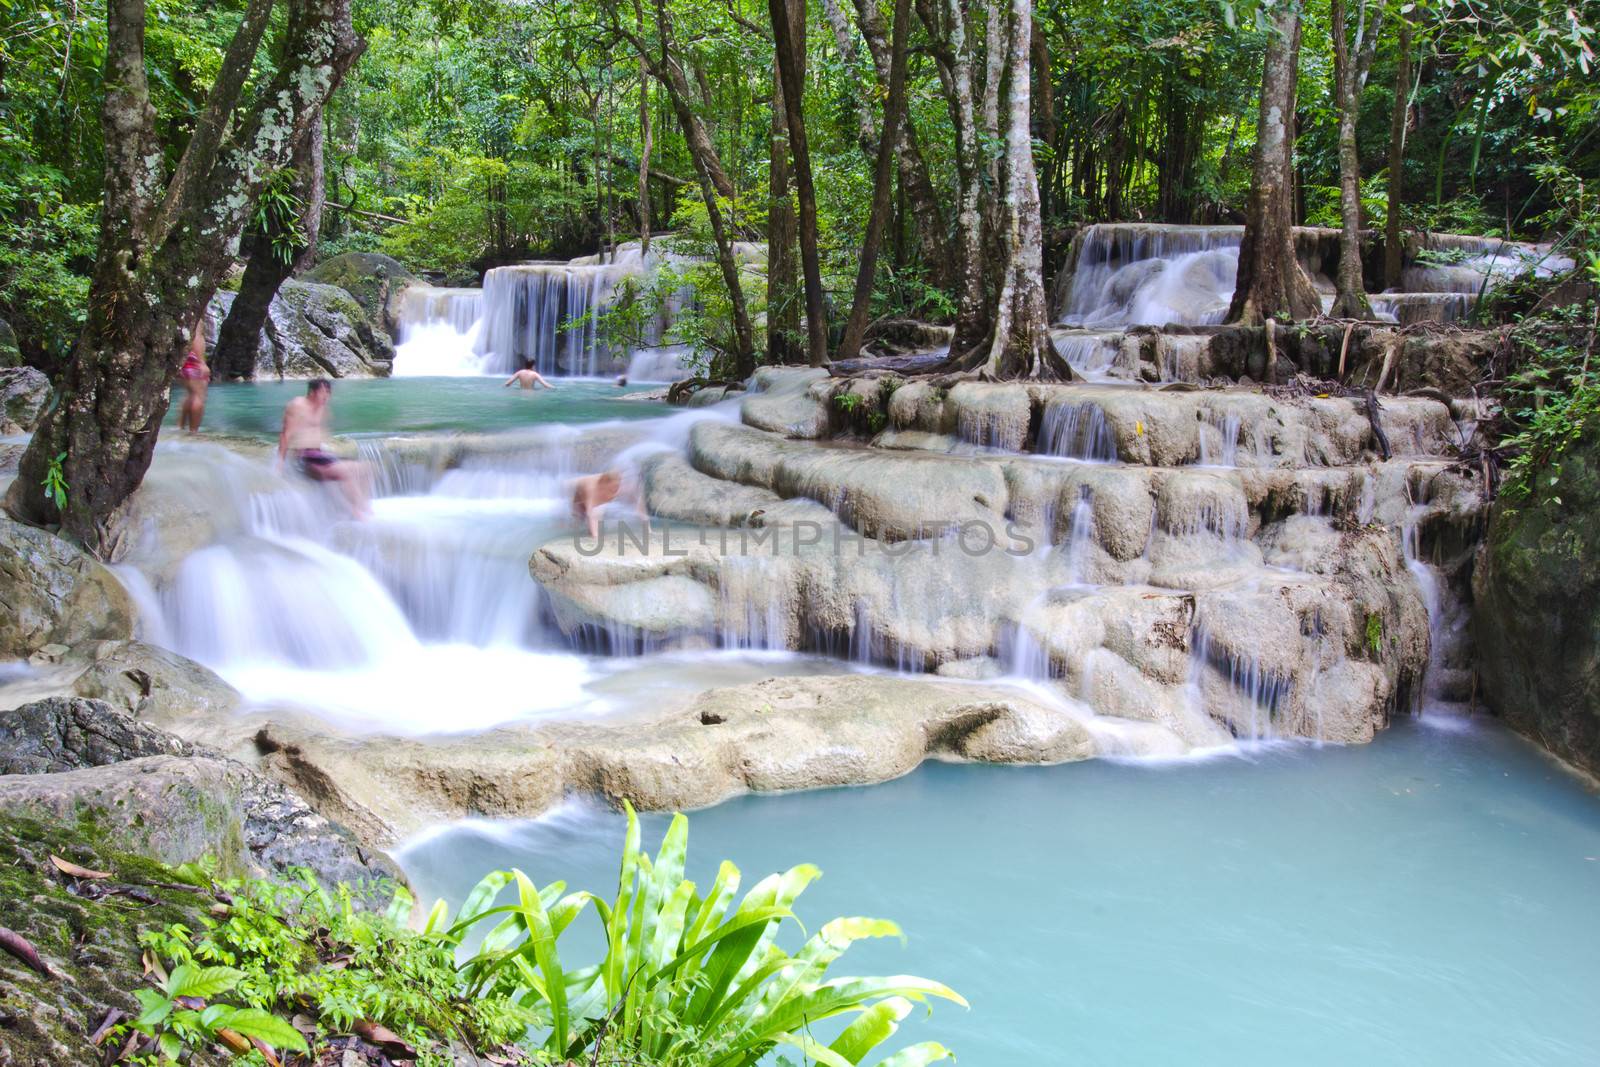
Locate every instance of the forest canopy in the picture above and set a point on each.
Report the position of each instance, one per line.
(497, 131)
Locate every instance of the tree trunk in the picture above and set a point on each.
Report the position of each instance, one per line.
(915, 183)
(1020, 345)
(788, 32)
(269, 267)
(163, 246)
(1393, 248)
(1350, 64)
(882, 187)
(647, 139)
(1040, 48)
(1271, 283)
(952, 52)
(783, 271)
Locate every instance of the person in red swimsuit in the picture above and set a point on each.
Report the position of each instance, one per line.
(196, 376)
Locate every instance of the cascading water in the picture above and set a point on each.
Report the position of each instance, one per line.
(420, 619)
(439, 332)
(1074, 429)
(1130, 274)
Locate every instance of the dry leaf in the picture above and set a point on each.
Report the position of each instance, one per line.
(23, 949)
(113, 1017)
(235, 1041)
(72, 870)
(266, 1052)
(393, 1044)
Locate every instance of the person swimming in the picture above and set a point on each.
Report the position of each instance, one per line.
(528, 378)
(305, 421)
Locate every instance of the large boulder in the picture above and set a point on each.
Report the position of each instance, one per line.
(153, 684)
(313, 330)
(319, 330)
(54, 594)
(70, 733)
(24, 392)
(148, 792)
(373, 280)
(1534, 618)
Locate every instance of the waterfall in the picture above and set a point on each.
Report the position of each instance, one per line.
(1133, 274)
(1092, 355)
(421, 619)
(438, 332)
(1079, 537)
(1225, 429)
(1447, 619)
(1462, 264)
(1076, 429)
(544, 315)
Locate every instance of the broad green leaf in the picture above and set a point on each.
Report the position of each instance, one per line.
(918, 1055)
(156, 1008)
(871, 1028)
(253, 1022)
(188, 980)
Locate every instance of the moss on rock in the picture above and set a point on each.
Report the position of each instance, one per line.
(1534, 617)
(93, 945)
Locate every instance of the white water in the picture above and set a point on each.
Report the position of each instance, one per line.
(545, 315)
(439, 331)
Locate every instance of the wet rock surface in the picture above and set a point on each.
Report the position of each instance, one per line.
(72, 760)
(781, 733)
(24, 392)
(1534, 618)
(53, 593)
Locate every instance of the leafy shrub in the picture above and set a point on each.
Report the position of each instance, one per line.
(686, 979)
(297, 947)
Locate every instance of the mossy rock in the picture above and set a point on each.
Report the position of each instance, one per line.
(10, 353)
(92, 945)
(373, 280)
(1534, 619)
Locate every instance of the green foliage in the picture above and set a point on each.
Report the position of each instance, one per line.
(178, 1016)
(55, 482)
(1551, 399)
(277, 217)
(295, 946)
(686, 978)
(1374, 633)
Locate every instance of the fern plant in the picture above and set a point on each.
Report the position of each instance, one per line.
(687, 978)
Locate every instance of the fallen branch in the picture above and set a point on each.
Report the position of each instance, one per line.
(365, 214)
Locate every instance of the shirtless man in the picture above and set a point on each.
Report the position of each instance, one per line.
(305, 424)
(528, 378)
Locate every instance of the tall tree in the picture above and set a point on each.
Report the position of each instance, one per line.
(164, 243)
(1271, 282)
(946, 23)
(783, 269)
(882, 186)
(915, 183)
(283, 241)
(790, 47)
(1352, 59)
(667, 69)
(1020, 344)
(1393, 249)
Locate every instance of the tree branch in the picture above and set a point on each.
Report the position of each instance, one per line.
(204, 143)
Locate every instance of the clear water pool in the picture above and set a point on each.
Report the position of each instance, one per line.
(1426, 899)
(416, 405)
